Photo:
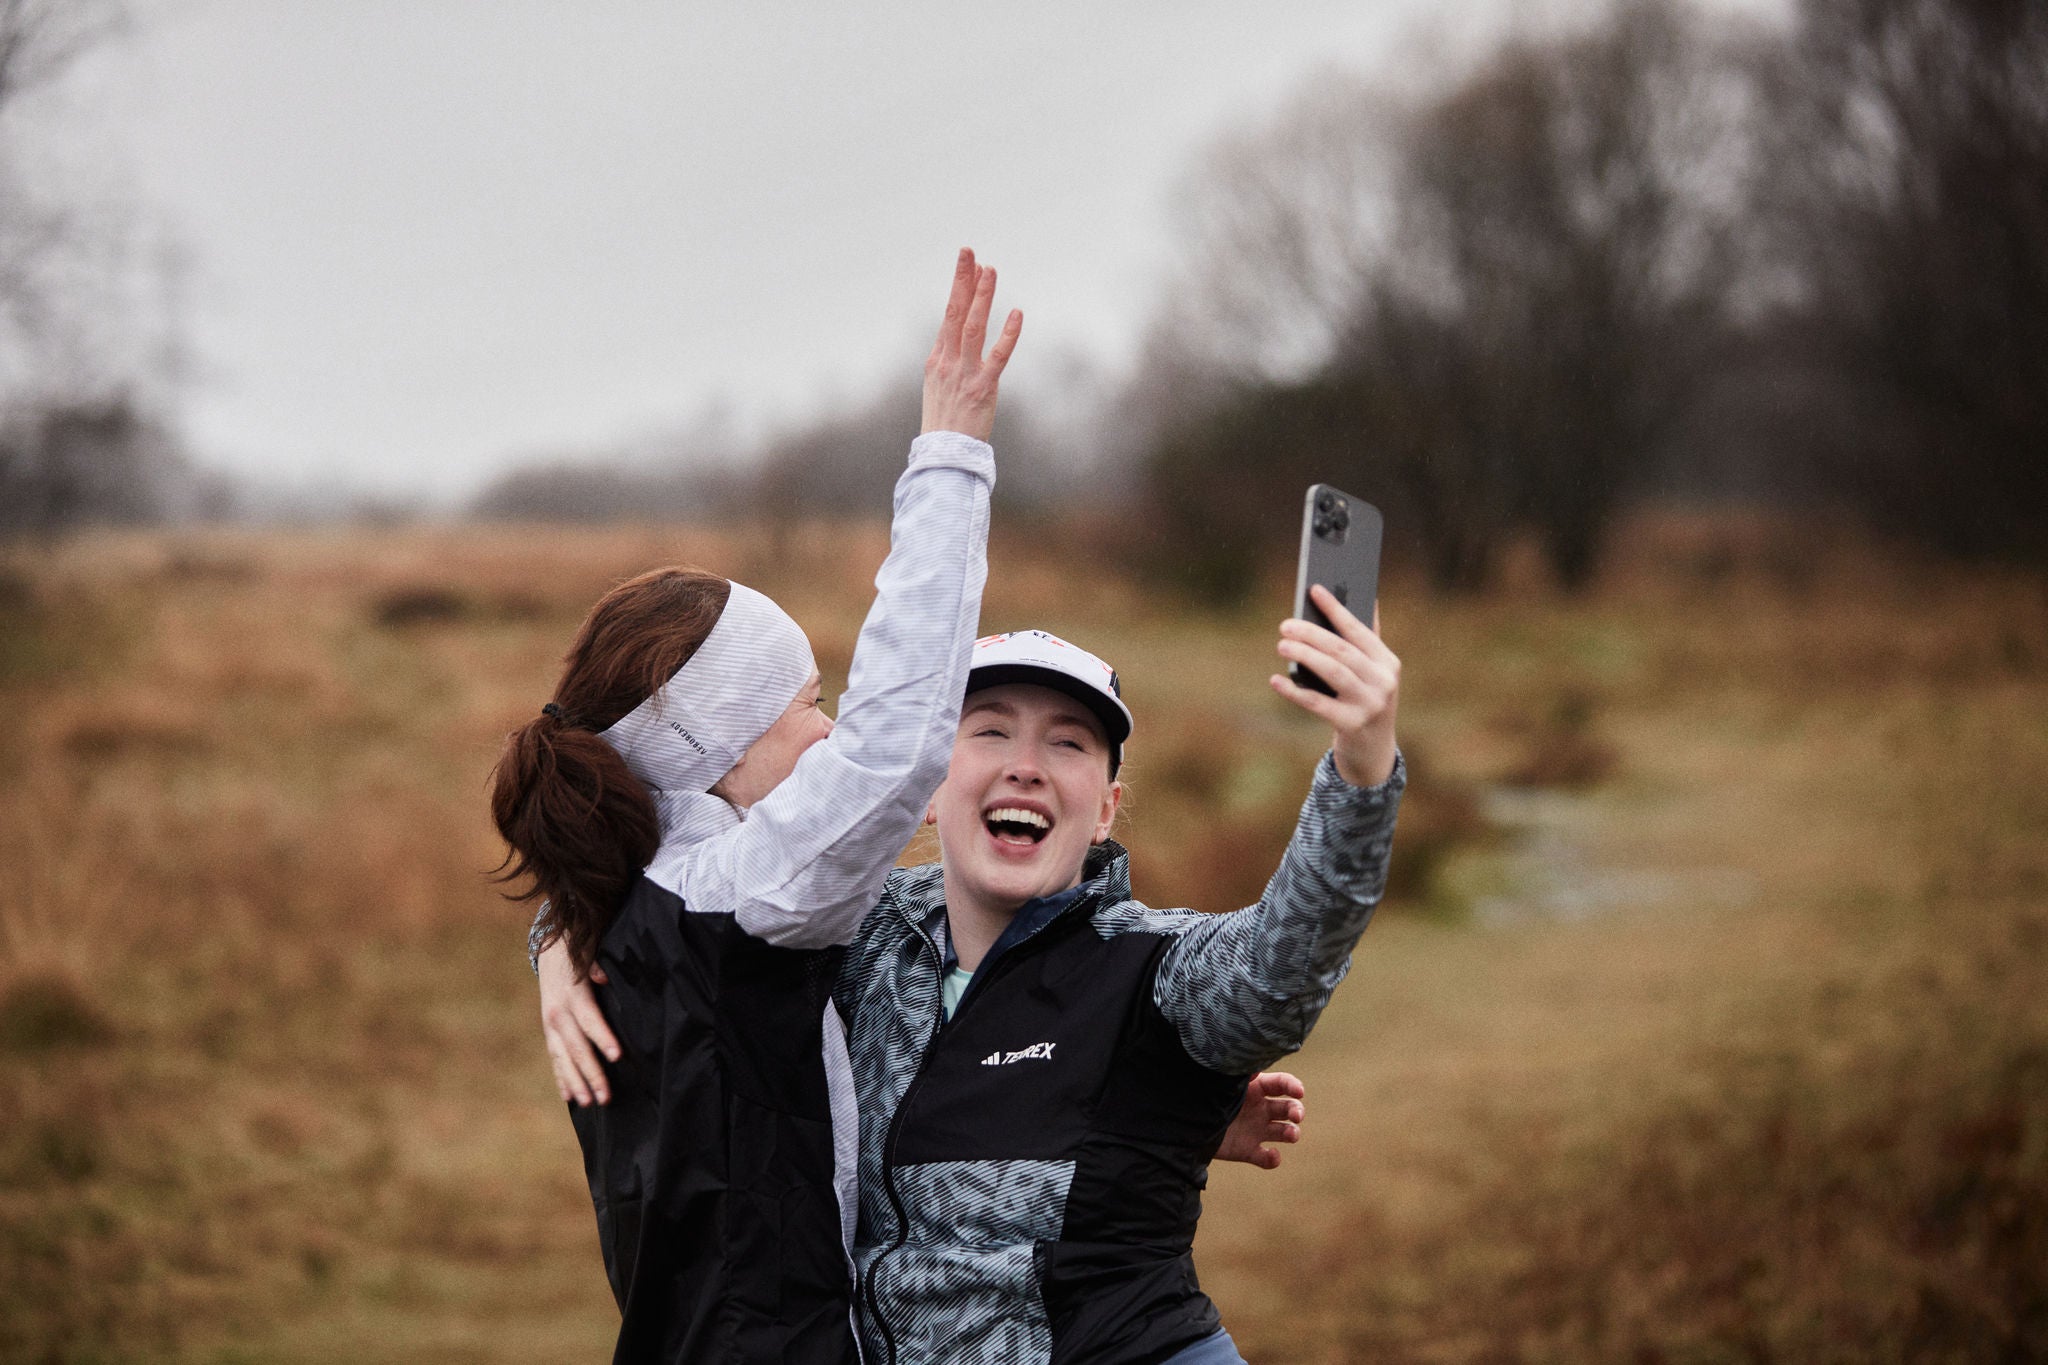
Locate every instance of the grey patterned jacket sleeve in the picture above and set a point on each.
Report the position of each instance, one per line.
(537, 938)
(1245, 988)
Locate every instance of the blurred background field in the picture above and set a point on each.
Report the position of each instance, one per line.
(1697, 354)
(1705, 1022)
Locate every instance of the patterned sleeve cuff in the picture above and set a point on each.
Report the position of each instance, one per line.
(1330, 784)
(537, 938)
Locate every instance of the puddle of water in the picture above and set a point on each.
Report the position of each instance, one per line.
(1545, 873)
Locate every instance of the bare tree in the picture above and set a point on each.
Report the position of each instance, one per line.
(80, 438)
(1283, 227)
(1495, 301)
(40, 241)
(1566, 251)
(1911, 209)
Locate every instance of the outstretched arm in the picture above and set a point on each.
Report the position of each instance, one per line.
(811, 857)
(1244, 989)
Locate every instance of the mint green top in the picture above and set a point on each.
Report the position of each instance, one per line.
(952, 988)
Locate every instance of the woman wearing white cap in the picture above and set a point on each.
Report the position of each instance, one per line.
(1044, 1065)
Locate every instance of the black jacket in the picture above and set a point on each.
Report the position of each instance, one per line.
(712, 1167)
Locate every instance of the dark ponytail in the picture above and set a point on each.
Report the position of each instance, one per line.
(580, 826)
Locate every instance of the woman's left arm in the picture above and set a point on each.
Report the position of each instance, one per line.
(1243, 989)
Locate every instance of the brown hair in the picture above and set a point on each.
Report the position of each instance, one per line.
(579, 824)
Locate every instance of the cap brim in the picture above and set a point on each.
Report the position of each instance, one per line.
(1115, 723)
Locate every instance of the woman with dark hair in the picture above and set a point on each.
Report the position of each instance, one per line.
(697, 824)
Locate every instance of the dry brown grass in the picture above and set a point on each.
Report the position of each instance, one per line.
(1731, 1050)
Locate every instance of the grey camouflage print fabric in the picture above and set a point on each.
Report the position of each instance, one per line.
(1244, 989)
(964, 1286)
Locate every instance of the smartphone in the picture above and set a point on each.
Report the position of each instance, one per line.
(1340, 549)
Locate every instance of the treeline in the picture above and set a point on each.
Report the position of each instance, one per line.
(1663, 254)
(66, 464)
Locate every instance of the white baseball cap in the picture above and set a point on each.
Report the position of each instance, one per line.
(1045, 660)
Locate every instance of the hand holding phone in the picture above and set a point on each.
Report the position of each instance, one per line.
(1340, 549)
(1334, 638)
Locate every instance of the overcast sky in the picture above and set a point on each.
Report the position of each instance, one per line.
(428, 238)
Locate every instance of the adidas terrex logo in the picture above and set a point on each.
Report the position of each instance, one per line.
(1037, 1052)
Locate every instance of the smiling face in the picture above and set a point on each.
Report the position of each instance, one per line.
(1027, 793)
(772, 757)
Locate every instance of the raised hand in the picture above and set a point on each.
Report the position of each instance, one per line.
(959, 382)
(1363, 674)
(1273, 1111)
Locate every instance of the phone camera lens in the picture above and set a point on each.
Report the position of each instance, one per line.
(1340, 518)
(1325, 500)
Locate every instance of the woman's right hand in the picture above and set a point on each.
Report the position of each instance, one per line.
(959, 382)
(574, 1027)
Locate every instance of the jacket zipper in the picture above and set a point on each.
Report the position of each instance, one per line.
(869, 1292)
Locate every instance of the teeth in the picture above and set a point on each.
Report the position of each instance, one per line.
(1014, 816)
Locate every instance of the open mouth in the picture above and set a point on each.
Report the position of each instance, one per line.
(1017, 826)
